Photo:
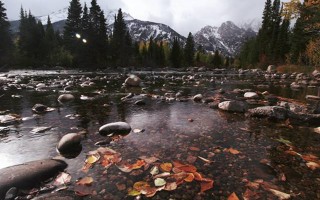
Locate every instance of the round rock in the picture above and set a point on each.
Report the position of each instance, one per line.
(251, 95)
(233, 106)
(133, 81)
(70, 145)
(39, 108)
(65, 98)
(121, 128)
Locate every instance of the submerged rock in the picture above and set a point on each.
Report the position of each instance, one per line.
(121, 128)
(233, 106)
(270, 112)
(65, 98)
(29, 175)
(133, 81)
(9, 119)
(197, 98)
(40, 108)
(69, 145)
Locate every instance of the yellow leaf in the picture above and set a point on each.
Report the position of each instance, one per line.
(134, 193)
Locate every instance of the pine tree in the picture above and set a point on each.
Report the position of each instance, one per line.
(118, 42)
(217, 59)
(6, 44)
(189, 50)
(175, 56)
(73, 27)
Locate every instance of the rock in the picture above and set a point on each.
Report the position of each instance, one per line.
(29, 175)
(233, 106)
(9, 119)
(313, 97)
(65, 98)
(271, 69)
(270, 112)
(121, 128)
(133, 81)
(69, 145)
(11, 194)
(39, 108)
(197, 98)
(251, 95)
(62, 195)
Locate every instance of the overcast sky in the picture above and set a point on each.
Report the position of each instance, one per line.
(182, 15)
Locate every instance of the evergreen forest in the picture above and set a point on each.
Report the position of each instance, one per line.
(289, 35)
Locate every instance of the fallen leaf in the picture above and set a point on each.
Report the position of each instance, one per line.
(166, 167)
(154, 170)
(62, 179)
(313, 165)
(149, 160)
(125, 168)
(197, 176)
(253, 185)
(140, 185)
(284, 141)
(189, 178)
(149, 191)
(233, 196)
(138, 164)
(91, 159)
(206, 184)
(158, 182)
(162, 175)
(83, 190)
(191, 159)
(188, 168)
(279, 194)
(233, 151)
(171, 186)
(310, 157)
(85, 181)
(134, 193)
(249, 195)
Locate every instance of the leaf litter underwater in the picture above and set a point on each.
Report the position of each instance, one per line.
(177, 150)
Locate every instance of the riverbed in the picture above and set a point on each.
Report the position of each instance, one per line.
(249, 157)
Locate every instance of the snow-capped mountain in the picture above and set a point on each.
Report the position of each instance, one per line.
(143, 30)
(253, 24)
(227, 39)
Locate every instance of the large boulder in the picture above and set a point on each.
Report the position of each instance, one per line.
(69, 145)
(29, 175)
(133, 81)
(121, 128)
(233, 106)
(270, 112)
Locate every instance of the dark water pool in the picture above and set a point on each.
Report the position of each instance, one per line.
(169, 135)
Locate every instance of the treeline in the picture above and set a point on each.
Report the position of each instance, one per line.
(85, 43)
(278, 43)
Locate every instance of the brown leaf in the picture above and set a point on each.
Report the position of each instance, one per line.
(171, 186)
(197, 176)
(233, 151)
(149, 160)
(233, 196)
(188, 168)
(140, 185)
(166, 167)
(85, 181)
(206, 184)
(149, 191)
(83, 190)
(250, 195)
(138, 164)
(62, 179)
(189, 178)
(312, 165)
(163, 175)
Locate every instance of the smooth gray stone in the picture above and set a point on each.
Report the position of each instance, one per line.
(29, 175)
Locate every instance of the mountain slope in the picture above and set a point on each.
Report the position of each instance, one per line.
(227, 39)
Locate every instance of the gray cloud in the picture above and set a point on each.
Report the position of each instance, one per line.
(183, 16)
